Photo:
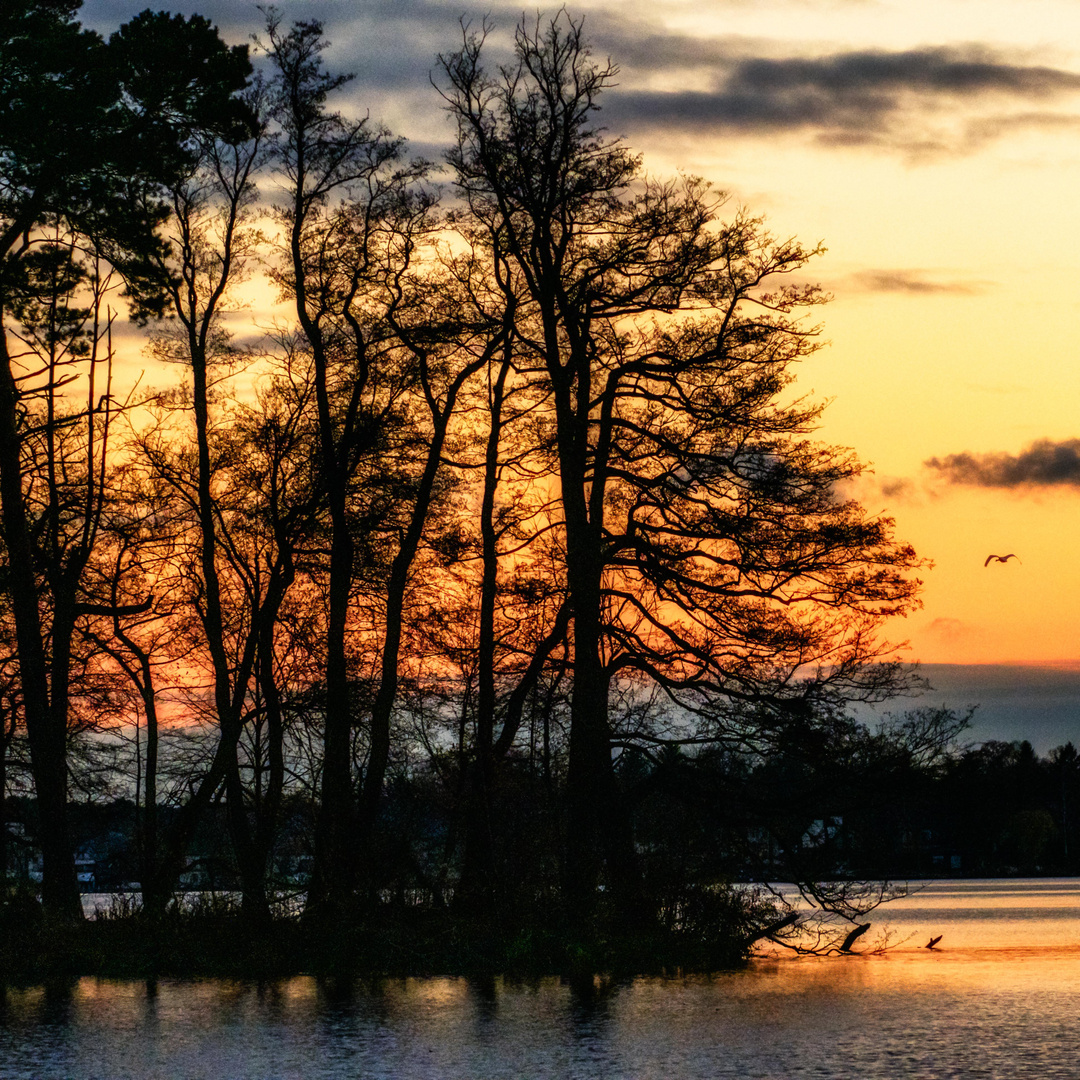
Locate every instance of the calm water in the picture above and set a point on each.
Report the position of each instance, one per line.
(999, 997)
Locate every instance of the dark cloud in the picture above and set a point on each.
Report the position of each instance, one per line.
(1015, 701)
(1043, 463)
(897, 487)
(872, 75)
(922, 101)
(916, 282)
(856, 98)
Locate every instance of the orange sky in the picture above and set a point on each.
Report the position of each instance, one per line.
(948, 203)
(934, 147)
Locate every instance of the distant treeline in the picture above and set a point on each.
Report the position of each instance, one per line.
(701, 818)
(504, 570)
(996, 809)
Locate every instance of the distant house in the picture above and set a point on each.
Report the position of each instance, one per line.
(823, 831)
(85, 868)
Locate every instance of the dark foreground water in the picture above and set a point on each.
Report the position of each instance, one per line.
(999, 997)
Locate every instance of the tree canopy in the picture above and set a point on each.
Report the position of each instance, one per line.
(520, 516)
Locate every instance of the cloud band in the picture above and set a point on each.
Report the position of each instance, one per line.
(1044, 462)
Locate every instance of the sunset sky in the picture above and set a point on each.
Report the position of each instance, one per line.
(933, 146)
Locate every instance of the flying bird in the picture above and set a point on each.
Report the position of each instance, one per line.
(1001, 558)
(932, 942)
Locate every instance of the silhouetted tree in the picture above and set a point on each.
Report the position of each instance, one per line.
(356, 217)
(705, 547)
(79, 195)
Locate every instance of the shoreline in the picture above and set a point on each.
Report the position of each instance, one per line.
(409, 944)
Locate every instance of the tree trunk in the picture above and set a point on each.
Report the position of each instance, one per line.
(149, 837)
(48, 742)
(249, 857)
(478, 886)
(334, 874)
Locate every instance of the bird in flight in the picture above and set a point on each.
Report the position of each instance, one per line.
(1000, 558)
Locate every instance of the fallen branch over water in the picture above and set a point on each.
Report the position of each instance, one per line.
(772, 929)
(853, 936)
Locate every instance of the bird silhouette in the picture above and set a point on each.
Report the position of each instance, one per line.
(932, 942)
(1001, 558)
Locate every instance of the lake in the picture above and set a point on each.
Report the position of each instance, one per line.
(998, 997)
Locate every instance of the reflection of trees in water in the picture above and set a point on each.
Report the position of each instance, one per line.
(589, 1007)
(484, 996)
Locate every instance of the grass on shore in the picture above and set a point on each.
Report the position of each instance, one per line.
(215, 940)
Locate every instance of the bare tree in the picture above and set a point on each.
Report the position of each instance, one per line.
(705, 548)
(391, 351)
(77, 200)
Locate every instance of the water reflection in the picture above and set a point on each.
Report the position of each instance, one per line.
(997, 1002)
(989, 914)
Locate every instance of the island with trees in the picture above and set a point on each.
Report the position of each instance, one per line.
(494, 607)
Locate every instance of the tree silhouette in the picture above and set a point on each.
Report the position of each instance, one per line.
(79, 198)
(520, 553)
(705, 547)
